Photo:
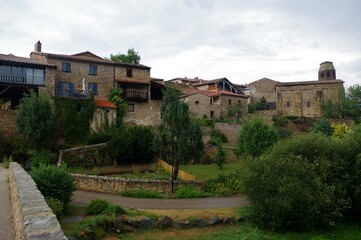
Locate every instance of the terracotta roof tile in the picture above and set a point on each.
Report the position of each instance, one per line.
(104, 103)
(308, 82)
(15, 59)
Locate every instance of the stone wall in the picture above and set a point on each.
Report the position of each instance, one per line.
(145, 113)
(32, 216)
(7, 123)
(231, 130)
(263, 88)
(116, 185)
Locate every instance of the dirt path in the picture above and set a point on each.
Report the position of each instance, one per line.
(83, 198)
(6, 215)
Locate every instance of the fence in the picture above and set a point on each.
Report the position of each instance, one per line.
(181, 174)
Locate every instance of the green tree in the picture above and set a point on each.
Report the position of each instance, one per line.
(235, 110)
(35, 120)
(116, 97)
(220, 155)
(256, 137)
(323, 126)
(131, 57)
(179, 138)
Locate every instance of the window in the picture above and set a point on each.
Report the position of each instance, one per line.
(288, 104)
(328, 74)
(93, 70)
(308, 104)
(322, 75)
(130, 107)
(129, 72)
(93, 87)
(212, 114)
(65, 66)
(196, 102)
(229, 101)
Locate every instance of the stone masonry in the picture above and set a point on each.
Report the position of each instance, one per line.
(7, 122)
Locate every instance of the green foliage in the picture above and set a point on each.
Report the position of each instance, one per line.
(179, 138)
(116, 97)
(261, 104)
(131, 57)
(256, 137)
(142, 193)
(101, 137)
(94, 228)
(339, 130)
(35, 120)
(279, 122)
(132, 144)
(7, 161)
(218, 135)
(75, 116)
(235, 110)
(205, 122)
(114, 210)
(190, 192)
(56, 206)
(323, 126)
(298, 184)
(284, 133)
(54, 182)
(251, 108)
(220, 157)
(224, 185)
(97, 206)
(43, 157)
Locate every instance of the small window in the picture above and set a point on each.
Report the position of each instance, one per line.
(129, 72)
(211, 101)
(288, 104)
(93, 87)
(93, 70)
(130, 107)
(229, 101)
(322, 75)
(239, 101)
(308, 104)
(328, 74)
(196, 102)
(65, 66)
(212, 114)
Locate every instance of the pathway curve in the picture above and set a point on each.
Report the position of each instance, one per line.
(6, 214)
(83, 198)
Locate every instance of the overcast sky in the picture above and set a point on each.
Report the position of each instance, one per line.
(284, 40)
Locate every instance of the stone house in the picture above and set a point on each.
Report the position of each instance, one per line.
(263, 88)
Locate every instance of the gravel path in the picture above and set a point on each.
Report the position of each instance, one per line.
(6, 215)
(83, 198)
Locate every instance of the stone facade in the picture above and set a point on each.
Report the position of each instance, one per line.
(7, 122)
(32, 217)
(143, 113)
(305, 98)
(264, 87)
(201, 105)
(116, 185)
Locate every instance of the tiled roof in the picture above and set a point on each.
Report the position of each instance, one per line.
(309, 82)
(135, 81)
(207, 82)
(96, 59)
(104, 103)
(222, 92)
(210, 93)
(15, 59)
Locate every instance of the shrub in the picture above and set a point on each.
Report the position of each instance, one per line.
(142, 193)
(224, 185)
(7, 161)
(96, 138)
(114, 209)
(323, 126)
(54, 182)
(94, 228)
(56, 206)
(251, 108)
(220, 155)
(42, 157)
(132, 145)
(97, 206)
(339, 130)
(190, 192)
(218, 135)
(298, 184)
(256, 137)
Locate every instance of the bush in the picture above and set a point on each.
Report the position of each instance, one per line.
(56, 206)
(251, 108)
(96, 138)
(299, 183)
(339, 130)
(323, 126)
(224, 185)
(256, 137)
(42, 157)
(132, 145)
(7, 161)
(97, 206)
(94, 228)
(190, 192)
(114, 209)
(220, 157)
(218, 135)
(54, 182)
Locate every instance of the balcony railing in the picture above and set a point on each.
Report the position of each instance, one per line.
(68, 93)
(27, 80)
(136, 96)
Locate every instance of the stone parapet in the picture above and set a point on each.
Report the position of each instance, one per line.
(116, 185)
(33, 218)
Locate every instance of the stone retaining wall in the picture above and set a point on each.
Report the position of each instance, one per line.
(7, 122)
(32, 217)
(116, 185)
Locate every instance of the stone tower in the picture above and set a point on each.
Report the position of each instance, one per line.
(326, 71)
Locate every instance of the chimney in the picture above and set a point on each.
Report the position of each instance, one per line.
(38, 47)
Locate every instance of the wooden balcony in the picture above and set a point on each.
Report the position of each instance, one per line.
(21, 80)
(66, 93)
(136, 96)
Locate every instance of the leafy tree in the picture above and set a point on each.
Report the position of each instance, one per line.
(116, 97)
(131, 57)
(323, 126)
(220, 155)
(179, 138)
(256, 137)
(35, 120)
(235, 110)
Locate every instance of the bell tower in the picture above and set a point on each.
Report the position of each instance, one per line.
(326, 71)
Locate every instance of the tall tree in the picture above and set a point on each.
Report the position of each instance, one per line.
(116, 97)
(179, 138)
(131, 57)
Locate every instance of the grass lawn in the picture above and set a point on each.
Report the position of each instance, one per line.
(209, 171)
